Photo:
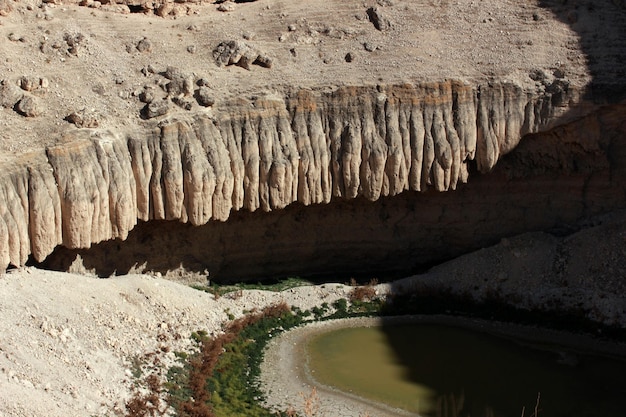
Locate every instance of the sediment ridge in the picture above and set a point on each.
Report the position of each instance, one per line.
(265, 153)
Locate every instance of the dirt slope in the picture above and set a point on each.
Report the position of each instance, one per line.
(98, 60)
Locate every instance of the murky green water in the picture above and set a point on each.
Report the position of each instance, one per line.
(446, 371)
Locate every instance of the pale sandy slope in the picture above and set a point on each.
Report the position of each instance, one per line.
(68, 341)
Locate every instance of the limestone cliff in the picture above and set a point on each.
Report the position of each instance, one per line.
(266, 153)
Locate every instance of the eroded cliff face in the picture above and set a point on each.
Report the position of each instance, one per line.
(265, 153)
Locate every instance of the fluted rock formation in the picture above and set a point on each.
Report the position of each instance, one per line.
(265, 153)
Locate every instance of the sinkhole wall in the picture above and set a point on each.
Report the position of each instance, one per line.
(318, 179)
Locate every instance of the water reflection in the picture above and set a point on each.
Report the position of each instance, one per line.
(445, 371)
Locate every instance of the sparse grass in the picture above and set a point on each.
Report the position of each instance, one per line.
(235, 290)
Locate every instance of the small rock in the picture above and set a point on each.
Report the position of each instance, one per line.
(349, 57)
(146, 96)
(73, 42)
(10, 94)
(227, 6)
(378, 19)
(183, 103)
(180, 85)
(240, 54)
(291, 28)
(263, 61)
(156, 109)
(172, 72)
(192, 49)
(369, 47)
(203, 82)
(99, 88)
(144, 45)
(293, 52)
(204, 97)
(249, 36)
(82, 118)
(164, 9)
(29, 106)
(536, 17)
(13, 37)
(29, 83)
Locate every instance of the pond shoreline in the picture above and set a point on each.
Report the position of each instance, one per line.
(287, 381)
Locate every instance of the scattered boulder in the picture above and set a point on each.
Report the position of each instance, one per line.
(30, 83)
(241, 54)
(180, 83)
(183, 103)
(179, 86)
(203, 82)
(227, 6)
(156, 108)
(146, 96)
(14, 37)
(378, 19)
(369, 47)
(164, 9)
(170, 72)
(204, 96)
(73, 41)
(29, 106)
(10, 94)
(144, 45)
(83, 118)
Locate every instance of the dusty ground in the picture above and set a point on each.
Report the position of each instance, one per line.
(97, 61)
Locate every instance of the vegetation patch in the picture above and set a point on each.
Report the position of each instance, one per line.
(235, 290)
(221, 376)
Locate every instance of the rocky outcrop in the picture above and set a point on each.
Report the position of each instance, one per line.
(265, 153)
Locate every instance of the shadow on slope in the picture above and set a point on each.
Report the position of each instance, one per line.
(454, 365)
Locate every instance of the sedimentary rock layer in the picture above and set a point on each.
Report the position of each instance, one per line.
(265, 153)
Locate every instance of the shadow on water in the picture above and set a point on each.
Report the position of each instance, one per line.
(497, 377)
(446, 371)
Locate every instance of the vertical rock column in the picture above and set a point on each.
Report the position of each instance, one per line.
(96, 188)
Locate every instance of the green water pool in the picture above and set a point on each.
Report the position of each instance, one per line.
(446, 371)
